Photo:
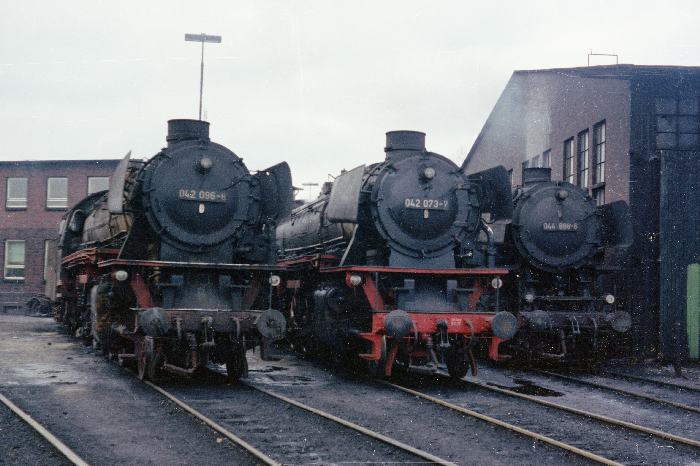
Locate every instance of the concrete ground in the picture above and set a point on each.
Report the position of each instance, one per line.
(104, 414)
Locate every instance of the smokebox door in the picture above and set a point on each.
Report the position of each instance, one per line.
(344, 202)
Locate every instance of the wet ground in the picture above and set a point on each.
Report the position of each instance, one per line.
(109, 417)
(103, 413)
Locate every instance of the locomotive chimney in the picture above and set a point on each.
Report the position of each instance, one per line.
(404, 141)
(536, 175)
(185, 130)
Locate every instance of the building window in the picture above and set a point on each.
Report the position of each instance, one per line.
(14, 259)
(97, 183)
(16, 193)
(677, 123)
(599, 153)
(526, 164)
(583, 160)
(535, 162)
(569, 161)
(599, 195)
(57, 193)
(510, 176)
(547, 159)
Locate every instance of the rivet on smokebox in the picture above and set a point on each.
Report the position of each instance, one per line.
(201, 208)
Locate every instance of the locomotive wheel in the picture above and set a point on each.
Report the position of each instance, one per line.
(236, 365)
(457, 364)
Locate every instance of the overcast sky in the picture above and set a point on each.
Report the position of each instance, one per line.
(315, 83)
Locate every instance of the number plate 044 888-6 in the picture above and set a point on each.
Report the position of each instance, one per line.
(201, 195)
(420, 203)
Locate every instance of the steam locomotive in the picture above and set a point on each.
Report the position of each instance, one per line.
(385, 265)
(561, 285)
(174, 265)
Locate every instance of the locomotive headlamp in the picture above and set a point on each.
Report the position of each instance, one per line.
(610, 299)
(428, 173)
(496, 283)
(275, 280)
(529, 297)
(121, 275)
(562, 194)
(355, 280)
(205, 164)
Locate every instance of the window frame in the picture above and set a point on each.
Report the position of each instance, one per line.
(53, 202)
(7, 193)
(599, 152)
(569, 161)
(673, 127)
(90, 178)
(583, 158)
(6, 261)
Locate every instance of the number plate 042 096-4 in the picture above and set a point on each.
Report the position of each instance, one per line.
(201, 195)
(419, 203)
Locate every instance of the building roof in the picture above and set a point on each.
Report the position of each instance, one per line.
(623, 71)
(15, 163)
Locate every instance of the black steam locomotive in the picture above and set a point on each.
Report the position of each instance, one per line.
(385, 264)
(174, 266)
(561, 285)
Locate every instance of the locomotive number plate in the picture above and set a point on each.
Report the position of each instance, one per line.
(559, 226)
(201, 195)
(418, 203)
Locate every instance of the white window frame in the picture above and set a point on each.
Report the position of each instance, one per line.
(9, 266)
(56, 202)
(93, 178)
(17, 202)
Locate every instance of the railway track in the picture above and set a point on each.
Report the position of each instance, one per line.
(622, 391)
(506, 425)
(62, 448)
(577, 446)
(660, 383)
(280, 455)
(695, 444)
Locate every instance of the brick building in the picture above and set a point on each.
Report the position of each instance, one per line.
(33, 197)
(622, 132)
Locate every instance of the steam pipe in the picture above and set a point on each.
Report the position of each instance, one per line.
(490, 249)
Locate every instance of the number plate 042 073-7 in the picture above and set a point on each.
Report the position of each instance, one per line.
(419, 203)
(201, 195)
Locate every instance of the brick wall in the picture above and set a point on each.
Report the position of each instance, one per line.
(37, 223)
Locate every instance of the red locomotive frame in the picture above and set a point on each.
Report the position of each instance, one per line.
(472, 325)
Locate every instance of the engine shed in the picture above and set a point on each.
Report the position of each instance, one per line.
(621, 132)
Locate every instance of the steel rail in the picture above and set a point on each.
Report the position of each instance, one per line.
(358, 428)
(491, 420)
(48, 436)
(622, 391)
(661, 383)
(590, 415)
(216, 427)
